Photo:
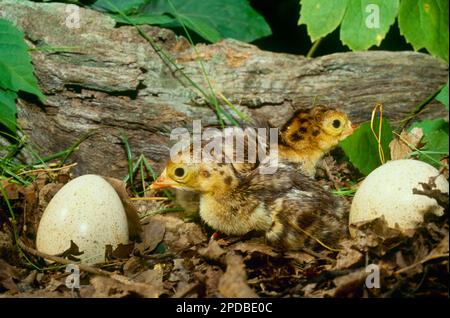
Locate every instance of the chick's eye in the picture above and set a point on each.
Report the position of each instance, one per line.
(336, 123)
(179, 172)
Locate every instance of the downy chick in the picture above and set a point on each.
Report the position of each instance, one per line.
(311, 133)
(292, 210)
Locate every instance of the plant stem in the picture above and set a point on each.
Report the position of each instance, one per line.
(419, 109)
(313, 48)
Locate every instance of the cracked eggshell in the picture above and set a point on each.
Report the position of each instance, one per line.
(88, 211)
(387, 191)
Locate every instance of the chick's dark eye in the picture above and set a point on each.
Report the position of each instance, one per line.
(336, 123)
(179, 172)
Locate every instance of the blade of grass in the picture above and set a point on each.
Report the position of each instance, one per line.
(150, 169)
(131, 169)
(212, 96)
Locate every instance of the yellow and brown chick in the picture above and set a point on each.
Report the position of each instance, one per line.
(310, 133)
(292, 210)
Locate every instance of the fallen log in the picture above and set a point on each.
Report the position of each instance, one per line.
(102, 77)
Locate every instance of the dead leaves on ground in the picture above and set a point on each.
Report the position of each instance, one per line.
(175, 258)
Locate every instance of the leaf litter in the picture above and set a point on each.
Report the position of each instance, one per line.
(174, 257)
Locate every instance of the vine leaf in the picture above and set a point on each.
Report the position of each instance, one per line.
(424, 24)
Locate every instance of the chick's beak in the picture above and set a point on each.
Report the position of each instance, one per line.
(163, 182)
(349, 129)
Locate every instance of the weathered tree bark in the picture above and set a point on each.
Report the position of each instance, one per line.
(109, 78)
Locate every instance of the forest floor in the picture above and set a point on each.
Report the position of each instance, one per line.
(178, 257)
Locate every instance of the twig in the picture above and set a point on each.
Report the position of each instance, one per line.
(317, 255)
(425, 260)
(64, 261)
(150, 199)
(47, 169)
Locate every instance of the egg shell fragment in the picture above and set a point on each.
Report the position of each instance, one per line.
(388, 191)
(88, 211)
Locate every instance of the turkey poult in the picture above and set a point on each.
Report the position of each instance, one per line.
(292, 210)
(309, 134)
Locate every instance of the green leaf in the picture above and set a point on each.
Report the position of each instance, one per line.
(361, 147)
(321, 17)
(424, 24)
(435, 133)
(436, 147)
(144, 19)
(366, 22)
(430, 125)
(214, 19)
(443, 96)
(204, 29)
(8, 109)
(16, 71)
(114, 6)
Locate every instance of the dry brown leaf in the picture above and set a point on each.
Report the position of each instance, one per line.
(134, 224)
(179, 271)
(55, 285)
(179, 234)
(213, 251)
(47, 192)
(109, 287)
(252, 247)
(350, 283)
(11, 189)
(150, 276)
(122, 251)
(6, 242)
(348, 256)
(300, 257)
(8, 274)
(234, 282)
(134, 265)
(153, 231)
(399, 146)
(212, 278)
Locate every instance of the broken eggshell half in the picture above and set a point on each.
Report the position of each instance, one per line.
(87, 211)
(388, 192)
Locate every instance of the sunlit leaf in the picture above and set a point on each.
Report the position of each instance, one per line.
(16, 71)
(366, 22)
(424, 24)
(321, 17)
(362, 148)
(8, 109)
(443, 96)
(214, 19)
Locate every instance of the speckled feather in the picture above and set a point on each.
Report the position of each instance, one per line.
(308, 135)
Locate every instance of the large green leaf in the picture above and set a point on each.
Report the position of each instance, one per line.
(430, 125)
(16, 71)
(8, 109)
(125, 6)
(366, 22)
(213, 19)
(361, 147)
(145, 18)
(443, 96)
(424, 24)
(321, 17)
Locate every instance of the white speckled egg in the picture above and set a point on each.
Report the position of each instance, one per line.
(88, 211)
(388, 191)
